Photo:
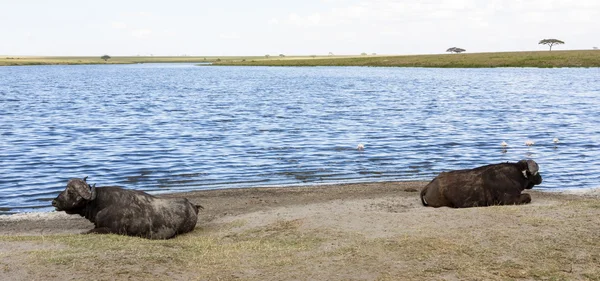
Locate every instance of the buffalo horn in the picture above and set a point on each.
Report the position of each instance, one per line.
(93, 192)
(532, 167)
(83, 189)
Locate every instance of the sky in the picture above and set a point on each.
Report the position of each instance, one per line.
(289, 27)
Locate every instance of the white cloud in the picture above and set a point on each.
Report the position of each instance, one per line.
(140, 25)
(382, 12)
(304, 21)
(141, 33)
(118, 25)
(230, 36)
(318, 26)
(426, 25)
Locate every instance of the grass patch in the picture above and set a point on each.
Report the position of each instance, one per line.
(554, 240)
(469, 257)
(542, 59)
(283, 251)
(30, 60)
(198, 254)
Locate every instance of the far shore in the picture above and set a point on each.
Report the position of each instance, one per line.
(540, 59)
(361, 231)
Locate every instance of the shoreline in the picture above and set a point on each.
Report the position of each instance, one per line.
(336, 191)
(23, 222)
(583, 192)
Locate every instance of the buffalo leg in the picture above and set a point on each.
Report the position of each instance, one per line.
(525, 198)
(510, 199)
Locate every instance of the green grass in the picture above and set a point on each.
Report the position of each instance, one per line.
(580, 58)
(577, 58)
(30, 60)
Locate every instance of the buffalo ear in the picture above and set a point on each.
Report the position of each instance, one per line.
(82, 188)
(522, 164)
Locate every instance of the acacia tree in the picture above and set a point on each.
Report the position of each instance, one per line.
(105, 57)
(455, 50)
(551, 42)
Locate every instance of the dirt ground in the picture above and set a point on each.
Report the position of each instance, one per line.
(364, 231)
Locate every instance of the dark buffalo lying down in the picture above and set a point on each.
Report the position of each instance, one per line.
(128, 212)
(496, 184)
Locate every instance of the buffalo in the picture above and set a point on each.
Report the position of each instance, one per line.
(127, 212)
(495, 184)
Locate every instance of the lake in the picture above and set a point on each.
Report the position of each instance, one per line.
(181, 127)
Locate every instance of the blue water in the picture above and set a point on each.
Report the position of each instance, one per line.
(181, 127)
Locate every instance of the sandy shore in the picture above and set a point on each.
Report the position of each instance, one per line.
(225, 204)
(369, 231)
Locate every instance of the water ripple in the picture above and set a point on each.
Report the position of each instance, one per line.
(172, 127)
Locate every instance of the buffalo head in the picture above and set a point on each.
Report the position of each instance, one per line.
(530, 170)
(77, 193)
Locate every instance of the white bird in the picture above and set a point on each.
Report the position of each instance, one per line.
(504, 144)
(360, 147)
(555, 140)
(529, 143)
